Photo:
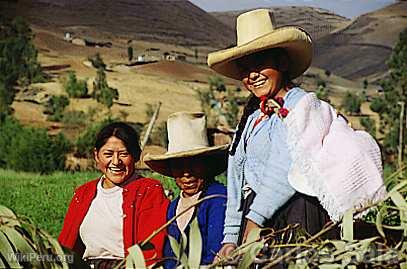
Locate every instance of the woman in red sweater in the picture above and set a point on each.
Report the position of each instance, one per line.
(110, 214)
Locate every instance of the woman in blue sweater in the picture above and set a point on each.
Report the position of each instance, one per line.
(193, 165)
(294, 160)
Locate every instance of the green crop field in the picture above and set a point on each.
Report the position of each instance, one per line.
(44, 198)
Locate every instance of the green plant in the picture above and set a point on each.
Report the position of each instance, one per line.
(351, 103)
(394, 91)
(75, 88)
(129, 53)
(97, 61)
(23, 245)
(31, 149)
(75, 117)
(322, 93)
(55, 107)
(369, 124)
(18, 60)
(219, 103)
(101, 90)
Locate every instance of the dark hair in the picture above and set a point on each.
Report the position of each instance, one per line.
(253, 102)
(125, 133)
(251, 106)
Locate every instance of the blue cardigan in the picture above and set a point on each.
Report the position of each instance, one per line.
(211, 217)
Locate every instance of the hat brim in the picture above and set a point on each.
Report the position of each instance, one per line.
(215, 158)
(294, 40)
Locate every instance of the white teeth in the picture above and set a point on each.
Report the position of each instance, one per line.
(115, 169)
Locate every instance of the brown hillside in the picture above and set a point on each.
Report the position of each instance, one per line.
(176, 22)
(361, 48)
(318, 22)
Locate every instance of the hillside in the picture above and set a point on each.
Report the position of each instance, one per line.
(167, 21)
(317, 21)
(361, 48)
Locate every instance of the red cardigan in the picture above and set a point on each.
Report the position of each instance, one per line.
(144, 208)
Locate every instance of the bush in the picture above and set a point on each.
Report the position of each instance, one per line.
(369, 124)
(378, 105)
(74, 117)
(31, 149)
(97, 61)
(55, 107)
(75, 88)
(101, 90)
(351, 103)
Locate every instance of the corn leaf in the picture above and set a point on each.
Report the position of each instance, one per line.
(135, 259)
(7, 216)
(176, 248)
(379, 220)
(59, 251)
(20, 244)
(400, 202)
(7, 252)
(347, 225)
(250, 255)
(195, 245)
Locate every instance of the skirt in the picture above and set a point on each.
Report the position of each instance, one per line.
(299, 209)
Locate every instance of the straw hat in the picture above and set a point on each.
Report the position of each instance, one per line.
(256, 32)
(187, 139)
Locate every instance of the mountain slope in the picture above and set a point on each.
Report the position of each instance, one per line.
(361, 48)
(318, 22)
(168, 21)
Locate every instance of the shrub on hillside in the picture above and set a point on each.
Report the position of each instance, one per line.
(97, 61)
(351, 103)
(31, 149)
(18, 60)
(101, 90)
(55, 107)
(74, 87)
(369, 124)
(75, 117)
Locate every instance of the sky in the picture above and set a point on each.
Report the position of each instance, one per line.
(346, 8)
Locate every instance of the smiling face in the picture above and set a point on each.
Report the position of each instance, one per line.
(114, 160)
(189, 176)
(262, 73)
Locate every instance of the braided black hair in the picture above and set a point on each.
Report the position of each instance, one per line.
(251, 106)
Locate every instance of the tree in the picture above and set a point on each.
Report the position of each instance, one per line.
(55, 107)
(395, 90)
(74, 87)
(322, 92)
(351, 103)
(101, 90)
(219, 103)
(18, 60)
(130, 53)
(97, 61)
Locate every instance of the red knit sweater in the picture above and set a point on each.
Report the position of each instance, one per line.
(144, 208)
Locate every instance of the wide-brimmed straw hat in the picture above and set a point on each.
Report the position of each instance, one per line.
(188, 139)
(256, 32)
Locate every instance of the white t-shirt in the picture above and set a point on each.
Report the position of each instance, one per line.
(102, 228)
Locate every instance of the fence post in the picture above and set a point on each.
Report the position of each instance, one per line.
(150, 126)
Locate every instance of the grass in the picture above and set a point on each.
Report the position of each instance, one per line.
(42, 198)
(45, 198)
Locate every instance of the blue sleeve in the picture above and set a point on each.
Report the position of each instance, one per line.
(233, 216)
(216, 220)
(275, 189)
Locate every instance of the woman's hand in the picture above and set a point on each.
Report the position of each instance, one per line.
(250, 225)
(225, 251)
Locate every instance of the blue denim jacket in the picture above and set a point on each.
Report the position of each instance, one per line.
(262, 161)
